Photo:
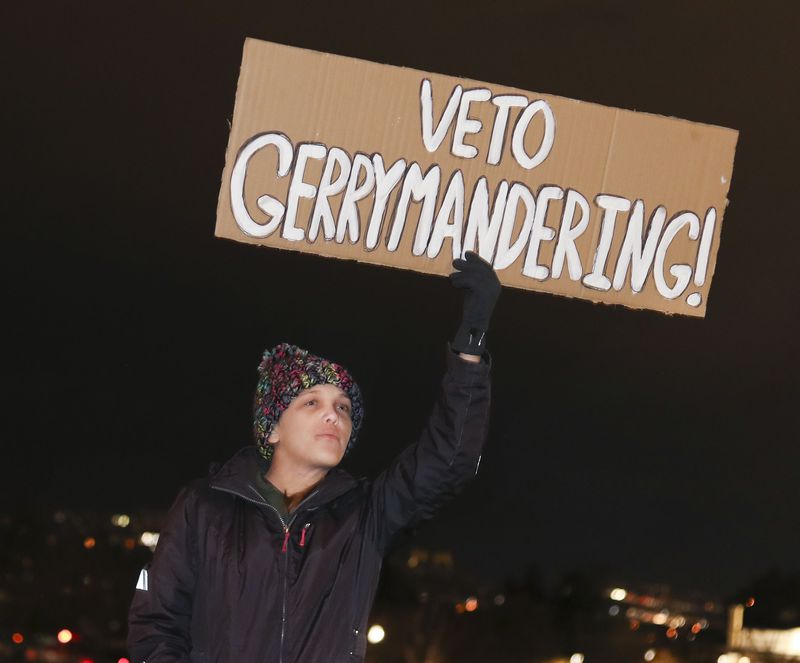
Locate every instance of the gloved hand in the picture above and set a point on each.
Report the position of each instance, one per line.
(481, 289)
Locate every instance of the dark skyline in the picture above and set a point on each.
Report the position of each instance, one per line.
(654, 447)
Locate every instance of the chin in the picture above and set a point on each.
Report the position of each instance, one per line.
(328, 455)
(327, 460)
(335, 461)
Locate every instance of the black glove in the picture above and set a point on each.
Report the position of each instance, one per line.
(481, 290)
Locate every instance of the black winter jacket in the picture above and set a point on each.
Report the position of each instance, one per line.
(230, 582)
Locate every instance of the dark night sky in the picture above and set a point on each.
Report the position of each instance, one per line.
(658, 448)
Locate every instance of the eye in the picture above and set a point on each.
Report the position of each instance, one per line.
(310, 402)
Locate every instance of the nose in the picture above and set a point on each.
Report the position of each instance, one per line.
(331, 415)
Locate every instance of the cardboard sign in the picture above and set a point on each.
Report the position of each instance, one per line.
(392, 166)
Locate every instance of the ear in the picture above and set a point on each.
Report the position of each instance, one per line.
(274, 436)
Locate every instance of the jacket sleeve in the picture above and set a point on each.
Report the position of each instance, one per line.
(161, 612)
(446, 456)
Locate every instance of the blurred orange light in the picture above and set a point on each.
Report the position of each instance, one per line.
(64, 636)
(696, 628)
(471, 604)
(17, 638)
(123, 660)
(634, 625)
(89, 542)
(750, 602)
(459, 608)
(672, 633)
(31, 654)
(86, 660)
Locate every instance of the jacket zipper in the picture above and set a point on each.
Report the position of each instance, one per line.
(283, 597)
(284, 550)
(286, 570)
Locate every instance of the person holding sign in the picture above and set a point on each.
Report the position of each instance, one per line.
(275, 557)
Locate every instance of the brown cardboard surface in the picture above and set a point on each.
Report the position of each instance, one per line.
(667, 178)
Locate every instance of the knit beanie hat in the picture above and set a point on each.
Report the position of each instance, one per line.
(284, 372)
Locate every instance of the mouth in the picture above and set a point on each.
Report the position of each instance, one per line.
(328, 436)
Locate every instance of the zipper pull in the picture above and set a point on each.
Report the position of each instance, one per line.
(303, 534)
(285, 540)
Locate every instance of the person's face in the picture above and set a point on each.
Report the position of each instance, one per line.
(314, 430)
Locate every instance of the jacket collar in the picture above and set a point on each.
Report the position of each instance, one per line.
(237, 476)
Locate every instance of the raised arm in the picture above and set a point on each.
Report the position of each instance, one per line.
(448, 452)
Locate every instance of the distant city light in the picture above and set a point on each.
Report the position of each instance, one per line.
(696, 628)
(459, 608)
(17, 638)
(672, 633)
(129, 543)
(376, 634)
(744, 659)
(413, 561)
(123, 660)
(89, 542)
(149, 539)
(120, 520)
(64, 636)
(659, 618)
(677, 622)
(750, 602)
(613, 610)
(724, 659)
(471, 604)
(576, 658)
(650, 654)
(618, 594)
(499, 600)
(86, 660)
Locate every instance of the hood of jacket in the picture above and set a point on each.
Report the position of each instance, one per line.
(237, 476)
